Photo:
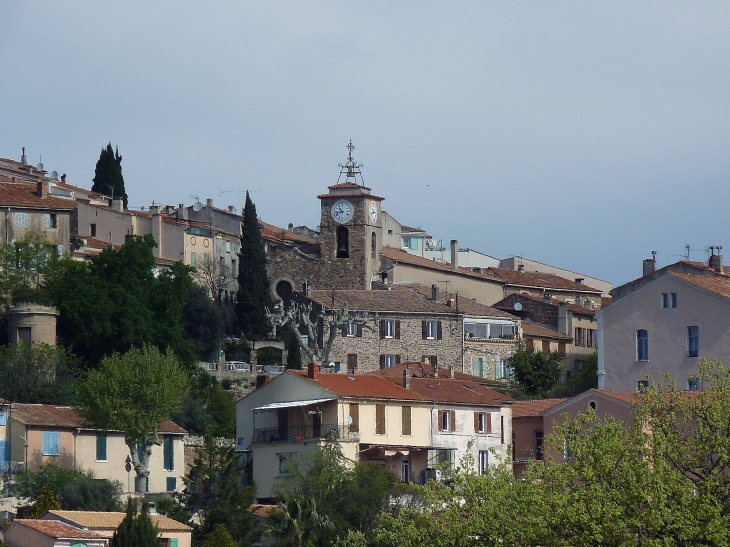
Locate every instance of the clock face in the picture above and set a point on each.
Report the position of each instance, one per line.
(373, 212)
(342, 211)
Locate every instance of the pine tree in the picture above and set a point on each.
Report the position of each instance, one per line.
(253, 282)
(136, 530)
(108, 177)
(219, 537)
(45, 502)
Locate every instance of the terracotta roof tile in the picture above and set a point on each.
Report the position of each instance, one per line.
(269, 231)
(110, 520)
(575, 308)
(56, 529)
(382, 301)
(406, 258)
(425, 370)
(619, 395)
(530, 330)
(359, 385)
(468, 306)
(411, 230)
(719, 285)
(451, 390)
(347, 185)
(533, 408)
(21, 194)
(353, 195)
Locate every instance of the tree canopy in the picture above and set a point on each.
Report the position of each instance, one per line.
(536, 373)
(136, 530)
(253, 283)
(108, 179)
(203, 323)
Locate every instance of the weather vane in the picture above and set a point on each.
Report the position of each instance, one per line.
(350, 168)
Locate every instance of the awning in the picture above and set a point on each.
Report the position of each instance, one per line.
(290, 404)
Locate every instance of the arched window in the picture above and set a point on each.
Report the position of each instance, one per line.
(373, 245)
(284, 289)
(343, 244)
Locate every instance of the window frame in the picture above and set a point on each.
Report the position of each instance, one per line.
(431, 330)
(483, 462)
(389, 328)
(53, 438)
(21, 219)
(693, 349)
(284, 458)
(351, 330)
(406, 421)
(642, 345)
(102, 447)
(168, 453)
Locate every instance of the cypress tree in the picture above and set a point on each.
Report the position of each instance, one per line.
(108, 177)
(136, 530)
(294, 355)
(45, 502)
(253, 282)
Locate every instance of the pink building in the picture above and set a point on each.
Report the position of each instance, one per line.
(50, 533)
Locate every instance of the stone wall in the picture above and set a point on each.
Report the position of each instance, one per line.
(490, 351)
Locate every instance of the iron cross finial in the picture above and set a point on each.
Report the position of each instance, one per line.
(350, 147)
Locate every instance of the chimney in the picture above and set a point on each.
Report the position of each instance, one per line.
(182, 212)
(579, 280)
(406, 379)
(305, 288)
(521, 268)
(209, 202)
(311, 370)
(650, 264)
(118, 204)
(42, 189)
(715, 261)
(450, 303)
(232, 209)
(454, 254)
(434, 293)
(451, 372)
(63, 178)
(261, 380)
(23, 159)
(290, 227)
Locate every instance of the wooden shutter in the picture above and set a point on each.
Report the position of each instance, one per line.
(489, 422)
(452, 421)
(359, 331)
(424, 330)
(397, 329)
(439, 332)
(380, 419)
(355, 415)
(406, 427)
(476, 422)
(351, 361)
(434, 360)
(441, 420)
(382, 360)
(397, 359)
(382, 328)
(343, 330)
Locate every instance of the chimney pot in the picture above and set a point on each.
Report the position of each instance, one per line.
(311, 370)
(209, 202)
(454, 254)
(42, 189)
(231, 208)
(406, 379)
(261, 380)
(63, 178)
(649, 266)
(434, 293)
(715, 261)
(451, 372)
(118, 204)
(521, 268)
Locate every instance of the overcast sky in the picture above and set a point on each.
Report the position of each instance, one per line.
(581, 134)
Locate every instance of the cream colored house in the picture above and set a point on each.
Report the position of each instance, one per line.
(43, 533)
(374, 419)
(57, 435)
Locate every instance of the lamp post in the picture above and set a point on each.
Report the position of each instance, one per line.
(128, 467)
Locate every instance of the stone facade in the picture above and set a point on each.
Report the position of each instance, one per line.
(491, 352)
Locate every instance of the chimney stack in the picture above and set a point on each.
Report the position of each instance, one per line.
(23, 159)
(451, 372)
(715, 262)
(209, 202)
(406, 379)
(63, 178)
(261, 380)
(42, 189)
(311, 370)
(232, 209)
(454, 254)
(118, 204)
(521, 268)
(434, 293)
(650, 264)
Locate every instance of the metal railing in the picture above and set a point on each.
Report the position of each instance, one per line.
(296, 433)
(241, 366)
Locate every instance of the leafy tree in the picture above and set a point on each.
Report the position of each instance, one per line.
(299, 521)
(171, 508)
(219, 537)
(133, 393)
(38, 373)
(108, 177)
(214, 493)
(203, 323)
(536, 373)
(294, 355)
(136, 530)
(253, 283)
(75, 489)
(586, 378)
(45, 502)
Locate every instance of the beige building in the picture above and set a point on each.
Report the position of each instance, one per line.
(33, 323)
(49, 434)
(44, 533)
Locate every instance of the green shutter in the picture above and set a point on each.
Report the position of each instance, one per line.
(171, 484)
(168, 456)
(173, 542)
(101, 447)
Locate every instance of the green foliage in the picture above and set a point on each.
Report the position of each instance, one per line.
(214, 493)
(294, 355)
(219, 417)
(203, 323)
(586, 378)
(136, 530)
(45, 502)
(116, 302)
(536, 373)
(219, 537)
(108, 179)
(38, 373)
(76, 490)
(133, 393)
(171, 508)
(268, 356)
(253, 283)
(237, 349)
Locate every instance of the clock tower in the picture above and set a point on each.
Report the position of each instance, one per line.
(350, 230)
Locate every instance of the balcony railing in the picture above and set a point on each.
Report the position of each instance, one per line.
(297, 433)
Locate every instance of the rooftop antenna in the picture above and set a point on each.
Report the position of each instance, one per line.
(351, 168)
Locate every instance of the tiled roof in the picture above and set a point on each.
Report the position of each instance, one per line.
(619, 395)
(358, 385)
(347, 185)
(535, 407)
(110, 520)
(451, 390)
(705, 266)
(606, 301)
(353, 195)
(57, 529)
(425, 370)
(719, 285)
(530, 330)
(414, 260)
(22, 194)
(382, 301)
(469, 306)
(410, 230)
(575, 308)
(539, 279)
(269, 231)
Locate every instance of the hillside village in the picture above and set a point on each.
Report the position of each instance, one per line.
(409, 351)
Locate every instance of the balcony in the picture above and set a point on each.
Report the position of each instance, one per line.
(304, 433)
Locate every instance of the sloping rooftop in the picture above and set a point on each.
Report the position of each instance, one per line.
(575, 308)
(23, 194)
(719, 285)
(530, 330)
(452, 390)
(468, 306)
(57, 529)
(110, 520)
(425, 370)
(269, 231)
(406, 258)
(533, 408)
(383, 301)
(359, 385)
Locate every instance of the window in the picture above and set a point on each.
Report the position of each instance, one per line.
(475, 330)
(194, 259)
(206, 261)
(482, 422)
(578, 364)
(642, 386)
(20, 220)
(501, 369)
(405, 471)
(51, 443)
(693, 384)
(561, 349)
(501, 429)
(351, 362)
(478, 368)
(642, 345)
(546, 346)
(447, 420)
(168, 455)
(390, 328)
(591, 338)
(669, 300)
(3, 417)
(580, 336)
(483, 462)
(490, 330)
(693, 341)
(171, 484)
(234, 269)
(50, 220)
(92, 230)
(539, 451)
(389, 360)
(380, 419)
(674, 299)
(373, 245)
(431, 330)
(60, 251)
(284, 460)
(355, 415)
(410, 243)
(24, 335)
(406, 420)
(101, 447)
(352, 329)
(665, 300)
(501, 332)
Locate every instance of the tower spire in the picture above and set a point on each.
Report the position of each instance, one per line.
(350, 168)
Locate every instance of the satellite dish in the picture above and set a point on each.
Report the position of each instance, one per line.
(197, 206)
(518, 306)
(54, 174)
(348, 420)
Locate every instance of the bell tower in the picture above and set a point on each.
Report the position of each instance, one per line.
(350, 233)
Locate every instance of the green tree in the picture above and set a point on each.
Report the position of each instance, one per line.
(136, 530)
(536, 373)
(253, 283)
(298, 521)
(45, 502)
(219, 537)
(586, 378)
(214, 492)
(38, 373)
(203, 323)
(133, 393)
(75, 489)
(108, 179)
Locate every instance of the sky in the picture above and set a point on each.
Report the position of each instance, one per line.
(579, 134)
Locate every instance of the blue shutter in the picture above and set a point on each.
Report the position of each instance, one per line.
(171, 484)
(3, 417)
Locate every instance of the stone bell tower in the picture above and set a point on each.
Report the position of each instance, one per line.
(350, 233)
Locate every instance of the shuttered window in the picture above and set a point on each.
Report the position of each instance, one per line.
(171, 484)
(51, 443)
(101, 447)
(406, 412)
(380, 419)
(355, 415)
(351, 362)
(168, 454)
